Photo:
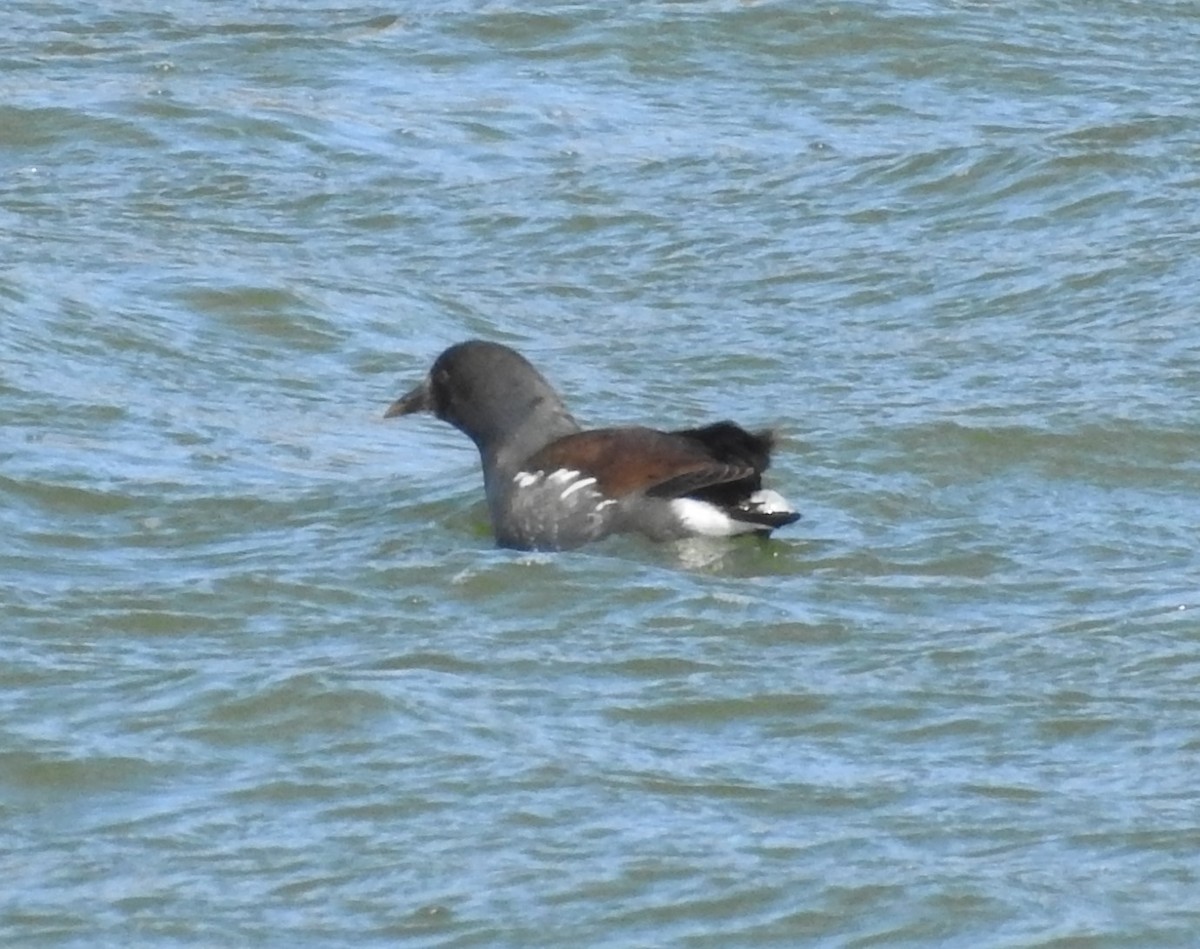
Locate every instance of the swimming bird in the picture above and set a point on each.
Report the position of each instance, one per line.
(551, 485)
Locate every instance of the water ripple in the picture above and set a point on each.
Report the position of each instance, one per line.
(265, 676)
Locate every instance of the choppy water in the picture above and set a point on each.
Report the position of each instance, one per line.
(265, 681)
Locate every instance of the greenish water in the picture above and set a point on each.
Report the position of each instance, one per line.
(263, 677)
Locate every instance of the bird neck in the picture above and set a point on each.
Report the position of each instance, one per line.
(503, 457)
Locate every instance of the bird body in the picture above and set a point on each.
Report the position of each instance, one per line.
(551, 485)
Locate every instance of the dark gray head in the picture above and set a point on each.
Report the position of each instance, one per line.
(493, 395)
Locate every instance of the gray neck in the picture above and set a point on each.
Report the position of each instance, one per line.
(547, 422)
(537, 431)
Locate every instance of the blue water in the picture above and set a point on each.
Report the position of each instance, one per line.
(264, 678)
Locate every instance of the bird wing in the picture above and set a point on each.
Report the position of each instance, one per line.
(627, 461)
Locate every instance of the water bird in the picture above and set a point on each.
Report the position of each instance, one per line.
(551, 485)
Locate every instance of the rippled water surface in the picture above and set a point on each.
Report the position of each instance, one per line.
(264, 679)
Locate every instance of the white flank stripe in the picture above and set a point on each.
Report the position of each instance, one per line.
(563, 475)
(575, 487)
(525, 479)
